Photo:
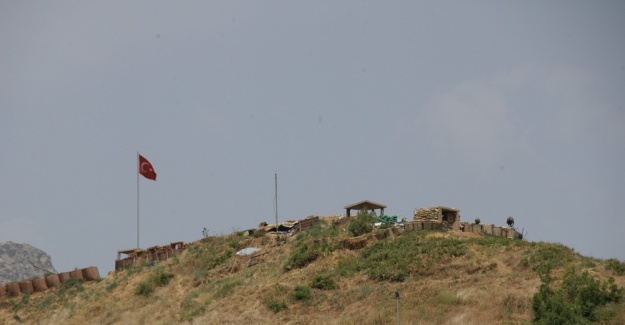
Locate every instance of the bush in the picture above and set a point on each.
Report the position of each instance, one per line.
(158, 279)
(575, 301)
(546, 257)
(395, 260)
(615, 265)
(306, 249)
(212, 252)
(161, 278)
(321, 231)
(362, 224)
(145, 288)
(276, 306)
(322, 282)
(302, 293)
(301, 256)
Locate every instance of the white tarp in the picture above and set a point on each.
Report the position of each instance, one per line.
(248, 251)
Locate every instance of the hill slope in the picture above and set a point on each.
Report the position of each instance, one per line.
(442, 278)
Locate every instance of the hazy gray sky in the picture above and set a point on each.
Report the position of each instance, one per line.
(495, 108)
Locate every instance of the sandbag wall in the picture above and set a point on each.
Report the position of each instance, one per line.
(422, 225)
(488, 229)
(44, 283)
(426, 214)
(155, 253)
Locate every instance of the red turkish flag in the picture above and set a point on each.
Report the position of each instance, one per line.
(146, 169)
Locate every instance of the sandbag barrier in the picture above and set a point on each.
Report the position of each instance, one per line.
(44, 283)
(487, 229)
(152, 254)
(422, 225)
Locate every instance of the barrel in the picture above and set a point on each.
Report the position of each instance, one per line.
(90, 273)
(26, 286)
(13, 289)
(53, 281)
(65, 276)
(76, 274)
(39, 284)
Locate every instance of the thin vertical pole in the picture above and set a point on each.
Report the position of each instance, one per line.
(137, 199)
(276, 202)
(397, 297)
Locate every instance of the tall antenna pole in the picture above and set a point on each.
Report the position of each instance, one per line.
(276, 203)
(138, 199)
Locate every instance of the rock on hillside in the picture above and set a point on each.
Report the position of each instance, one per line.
(17, 260)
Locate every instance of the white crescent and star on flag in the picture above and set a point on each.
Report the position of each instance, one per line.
(144, 170)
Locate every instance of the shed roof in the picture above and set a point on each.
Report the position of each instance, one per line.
(365, 205)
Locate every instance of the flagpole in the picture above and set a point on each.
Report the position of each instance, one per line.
(137, 199)
(276, 196)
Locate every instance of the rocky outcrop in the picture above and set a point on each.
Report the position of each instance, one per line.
(17, 260)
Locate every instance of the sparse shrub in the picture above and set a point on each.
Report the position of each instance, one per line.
(225, 287)
(365, 290)
(302, 293)
(44, 303)
(111, 286)
(199, 274)
(615, 265)
(546, 257)
(190, 307)
(301, 256)
(158, 279)
(145, 288)
(306, 249)
(321, 231)
(588, 262)
(70, 287)
(447, 298)
(235, 242)
(274, 298)
(161, 278)
(387, 273)
(23, 302)
(212, 252)
(276, 306)
(515, 304)
(323, 282)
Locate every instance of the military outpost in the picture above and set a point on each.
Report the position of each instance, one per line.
(424, 219)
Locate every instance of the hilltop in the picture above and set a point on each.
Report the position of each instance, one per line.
(442, 277)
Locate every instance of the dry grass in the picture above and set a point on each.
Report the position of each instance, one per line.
(489, 284)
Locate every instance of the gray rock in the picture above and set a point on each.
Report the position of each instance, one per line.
(17, 260)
